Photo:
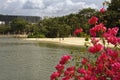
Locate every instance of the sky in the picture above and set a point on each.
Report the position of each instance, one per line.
(46, 7)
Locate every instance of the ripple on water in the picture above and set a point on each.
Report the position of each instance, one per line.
(26, 60)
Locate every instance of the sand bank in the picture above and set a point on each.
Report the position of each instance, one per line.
(75, 41)
(64, 41)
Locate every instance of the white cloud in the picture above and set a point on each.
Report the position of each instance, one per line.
(46, 7)
(33, 4)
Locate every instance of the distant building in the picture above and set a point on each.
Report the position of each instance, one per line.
(6, 19)
(2, 22)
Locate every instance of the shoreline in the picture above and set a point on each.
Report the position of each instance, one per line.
(68, 41)
(71, 41)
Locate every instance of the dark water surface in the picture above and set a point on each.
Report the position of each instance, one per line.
(27, 60)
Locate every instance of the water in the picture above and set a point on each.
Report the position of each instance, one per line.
(27, 60)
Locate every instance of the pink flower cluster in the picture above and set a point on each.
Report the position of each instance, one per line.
(65, 59)
(98, 30)
(106, 63)
(78, 31)
(107, 66)
(95, 48)
(93, 20)
(102, 10)
(94, 40)
(110, 36)
(60, 67)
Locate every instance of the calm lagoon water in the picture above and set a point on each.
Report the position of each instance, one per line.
(27, 60)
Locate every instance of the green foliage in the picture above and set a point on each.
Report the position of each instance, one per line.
(64, 30)
(114, 6)
(87, 13)
(18, 25)
(111, 18)
(53, 27)
(83, 34)
(36, 35)
(4, 29)
(64, 26)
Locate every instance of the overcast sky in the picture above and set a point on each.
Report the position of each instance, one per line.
(46, 7)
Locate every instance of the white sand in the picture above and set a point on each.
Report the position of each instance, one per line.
(75, 41)
(67, 41)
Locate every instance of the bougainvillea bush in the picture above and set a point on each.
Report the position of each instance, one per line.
(106, 62)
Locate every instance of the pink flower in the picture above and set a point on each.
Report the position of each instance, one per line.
(59, 67)
(103, 57)
(84, 61)
(118, 40)
(65, 59)
(93, 20)
(113, 54)
(113, 31)
(102, 10)
(98, 29)
(99, 68)
(72, 68)
(78, 31)
(70, 71)
(96, 48)
(81, 70)
(93, 31)
(109, 73)
(81, 78)
(92, 49)
(94, 41)
(112, 39)
(110, 36)
(66, 78)
(116, 66)
(54, 75)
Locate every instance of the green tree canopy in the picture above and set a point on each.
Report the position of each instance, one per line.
(4, 29)
(18, 25)
(114, 5)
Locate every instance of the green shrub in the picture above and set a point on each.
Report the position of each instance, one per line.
(36, 35)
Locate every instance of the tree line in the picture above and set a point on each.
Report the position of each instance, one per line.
(64, 26)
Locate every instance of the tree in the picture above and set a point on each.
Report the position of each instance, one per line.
(112, 16)
(83, 16)
(87, 12)
(18, 25)
(4, 29)
(64, 30)
(114, 5)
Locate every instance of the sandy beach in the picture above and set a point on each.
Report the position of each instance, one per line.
(75, 41)
(63, 41)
